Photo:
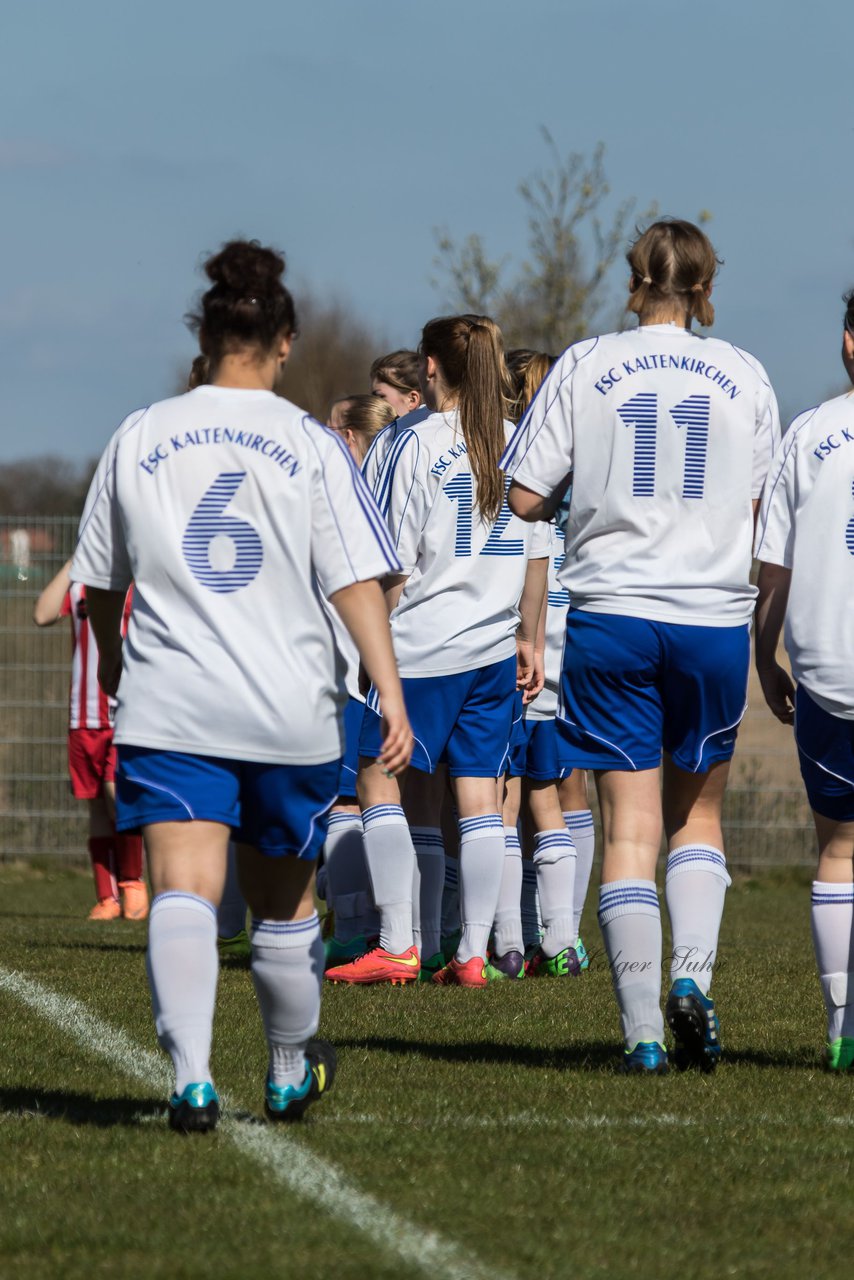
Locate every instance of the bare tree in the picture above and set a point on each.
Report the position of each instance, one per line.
(560, 289)
(47, 486)
(332, 356)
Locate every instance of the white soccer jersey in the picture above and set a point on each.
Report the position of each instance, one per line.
(458, 610)
(807, 525)
(544, 706)
(232, 511)
(668, 435)
(372, 463)
(346, 646)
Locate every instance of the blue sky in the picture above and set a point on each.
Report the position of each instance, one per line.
(133, 140)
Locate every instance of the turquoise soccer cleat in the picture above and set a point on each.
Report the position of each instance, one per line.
(692, 1019)
(195, 1109)
(290, 1102)
(648, 1058)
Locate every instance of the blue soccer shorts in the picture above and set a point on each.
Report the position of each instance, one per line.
(462, 720)
(353, 715)
(534, 751)
(826, 751)
(632, 688)
(278, 808)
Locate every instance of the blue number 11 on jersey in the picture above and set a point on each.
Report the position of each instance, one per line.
(208, 524)
(693, 413)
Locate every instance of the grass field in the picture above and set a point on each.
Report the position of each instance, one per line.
(481, 1134)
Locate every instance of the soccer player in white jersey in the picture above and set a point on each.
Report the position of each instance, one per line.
(233, 511)
(546, 876)
(668, 437)
(394, 378)
(357, 419)
(805, 543)
(454, 616)
(395, 381)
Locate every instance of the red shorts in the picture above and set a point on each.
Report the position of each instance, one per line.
(91, 761)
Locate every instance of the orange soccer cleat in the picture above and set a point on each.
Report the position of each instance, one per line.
(476, 972)
(134, 899)
(378, 966)
(105, 909)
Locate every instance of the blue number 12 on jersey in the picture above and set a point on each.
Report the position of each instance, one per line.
(461, 491)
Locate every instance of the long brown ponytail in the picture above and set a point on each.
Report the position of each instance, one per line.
(469, 351)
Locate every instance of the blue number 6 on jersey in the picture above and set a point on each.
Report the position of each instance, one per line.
(208, 523)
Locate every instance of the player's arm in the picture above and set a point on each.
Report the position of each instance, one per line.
(393, 590)
(530, 506)
(777, 685)
(106, 609)
(48, 608)
(530, 636)
(363, 611)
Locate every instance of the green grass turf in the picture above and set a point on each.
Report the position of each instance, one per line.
(495, 1118)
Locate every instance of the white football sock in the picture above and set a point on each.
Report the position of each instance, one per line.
(287, 969)
(694, 889)
(347, 881)
(554, 860)
(833, 939)
(481, 863)
(392, 866)
(579, 824)
(183, 966)
(630, 919)
(508, 913)
(430, 854)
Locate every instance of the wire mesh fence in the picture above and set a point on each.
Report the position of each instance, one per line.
(766, 818)
(38, 814)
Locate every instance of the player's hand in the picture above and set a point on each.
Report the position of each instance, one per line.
(530, 671)
(110, 672)
(397, 738)
(779, 691)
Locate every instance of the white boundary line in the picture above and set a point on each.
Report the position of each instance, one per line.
(304, 1173)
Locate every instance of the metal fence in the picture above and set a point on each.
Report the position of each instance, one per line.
(767, 820)
(38, 814)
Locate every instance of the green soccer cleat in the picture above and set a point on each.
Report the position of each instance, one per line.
(238, 947)
(564, 965)
(290, 1102)
(431, 967)
(195, 1109)
(581, 952)
(510, 965)
(341, 952)
(839, 1055)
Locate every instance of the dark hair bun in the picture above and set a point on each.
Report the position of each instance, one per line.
(246, 267)
(247, 304)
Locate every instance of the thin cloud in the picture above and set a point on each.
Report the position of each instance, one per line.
(32, 153)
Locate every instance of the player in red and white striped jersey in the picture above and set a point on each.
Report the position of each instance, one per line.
(116, 858)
